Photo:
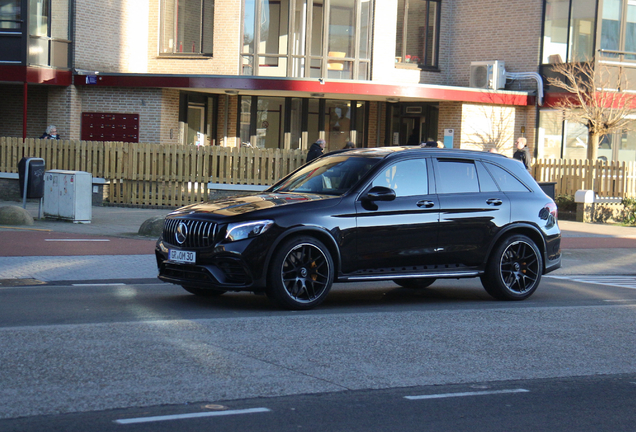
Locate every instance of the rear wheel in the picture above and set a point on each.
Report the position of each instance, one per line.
(514, 269)
(301, 273)
(415, 283)
(203, 292)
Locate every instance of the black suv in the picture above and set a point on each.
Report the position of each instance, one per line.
(410, 215)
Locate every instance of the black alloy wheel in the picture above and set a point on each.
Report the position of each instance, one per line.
(203, 292)
(301, 274)
(514, 269)
(415, 283)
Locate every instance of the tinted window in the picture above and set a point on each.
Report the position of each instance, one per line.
(506, 181)
(457, 177)
(406, 178)
(486, 183)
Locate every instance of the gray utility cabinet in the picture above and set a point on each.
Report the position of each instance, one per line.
(68, 195)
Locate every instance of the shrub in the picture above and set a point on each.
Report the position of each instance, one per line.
(565, 203)
(630, 210)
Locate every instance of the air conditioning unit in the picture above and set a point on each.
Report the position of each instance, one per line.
(488, 74)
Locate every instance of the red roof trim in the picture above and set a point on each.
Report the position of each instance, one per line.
(410, 92)
(35, 75)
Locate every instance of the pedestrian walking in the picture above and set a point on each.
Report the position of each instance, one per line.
(521, 154)
(316, 149)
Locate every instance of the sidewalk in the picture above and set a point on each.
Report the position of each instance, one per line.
(112, 249)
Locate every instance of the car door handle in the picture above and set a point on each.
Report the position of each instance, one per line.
(425, 203)
(494, 201)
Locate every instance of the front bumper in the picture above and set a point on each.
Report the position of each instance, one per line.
(217, 268)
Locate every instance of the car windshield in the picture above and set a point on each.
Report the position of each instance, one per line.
(333, 175)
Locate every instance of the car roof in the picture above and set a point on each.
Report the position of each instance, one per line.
(382, 152)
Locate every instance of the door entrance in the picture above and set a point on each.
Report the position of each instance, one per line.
(412, 124)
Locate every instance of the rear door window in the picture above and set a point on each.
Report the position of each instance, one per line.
(457, 176)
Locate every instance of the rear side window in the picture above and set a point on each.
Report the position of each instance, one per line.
(457, 177)
(506, 181)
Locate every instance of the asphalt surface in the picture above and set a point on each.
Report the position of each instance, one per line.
(110, 247)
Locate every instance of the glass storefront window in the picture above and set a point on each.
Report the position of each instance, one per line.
(313, 120)
(337, 124)
(269, 122)
(550, 133)
(627, 145)
(296, 123)
(244, 120)
(576, 136)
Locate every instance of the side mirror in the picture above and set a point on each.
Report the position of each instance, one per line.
(380, 193)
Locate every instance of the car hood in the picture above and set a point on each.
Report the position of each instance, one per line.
(246, 204)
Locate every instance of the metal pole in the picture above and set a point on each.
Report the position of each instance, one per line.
(24, 112)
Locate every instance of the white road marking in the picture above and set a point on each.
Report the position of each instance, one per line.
(98, 284)
(479, 393)
(607, 280)
(191, 415)
(77, 240)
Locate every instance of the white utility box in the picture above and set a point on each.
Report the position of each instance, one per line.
(68, 195)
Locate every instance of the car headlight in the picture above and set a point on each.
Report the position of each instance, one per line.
(243, 230)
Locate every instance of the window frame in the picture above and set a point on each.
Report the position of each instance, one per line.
(304, 62)
(174, 29)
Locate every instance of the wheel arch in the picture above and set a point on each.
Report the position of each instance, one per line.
(319, 233)
(529, 231)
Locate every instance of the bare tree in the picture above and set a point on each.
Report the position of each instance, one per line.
(596, 99)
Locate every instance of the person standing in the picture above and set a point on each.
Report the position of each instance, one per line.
(521, 154)
(349, 145)
(51, 133)
(316, 149)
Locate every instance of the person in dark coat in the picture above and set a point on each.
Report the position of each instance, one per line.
(51, 133)
(521, 154)
(349, 145)
(429, 143)
(316, 149)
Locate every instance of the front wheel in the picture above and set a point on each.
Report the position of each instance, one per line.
(415, 283)
(514, 269)
(301, 273)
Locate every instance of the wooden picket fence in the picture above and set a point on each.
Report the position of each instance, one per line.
(608, 179)
(155, 174)
(176, 175)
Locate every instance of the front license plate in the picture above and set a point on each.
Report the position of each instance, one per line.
(182, 256)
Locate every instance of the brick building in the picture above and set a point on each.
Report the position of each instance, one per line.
(280, 74)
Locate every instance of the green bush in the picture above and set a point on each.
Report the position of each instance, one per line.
(630, 210)
(565, 203)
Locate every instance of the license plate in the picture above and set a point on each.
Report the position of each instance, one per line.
(182, 256)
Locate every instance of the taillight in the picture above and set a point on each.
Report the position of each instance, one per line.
(552, 207)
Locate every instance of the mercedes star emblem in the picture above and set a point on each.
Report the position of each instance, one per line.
(182, 233)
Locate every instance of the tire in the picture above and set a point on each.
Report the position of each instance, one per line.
(301, 273)
(514, 269)
(415, 283)
(203, 292)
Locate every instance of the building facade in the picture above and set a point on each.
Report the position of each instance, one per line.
(283, 73)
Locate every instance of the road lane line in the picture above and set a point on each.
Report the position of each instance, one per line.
(191, 415)
(479, 393)
(77, 240)
(97, 284)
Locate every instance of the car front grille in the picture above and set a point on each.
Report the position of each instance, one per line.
(199, 234)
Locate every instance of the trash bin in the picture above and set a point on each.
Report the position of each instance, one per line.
(548, 188)
(33, 169)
